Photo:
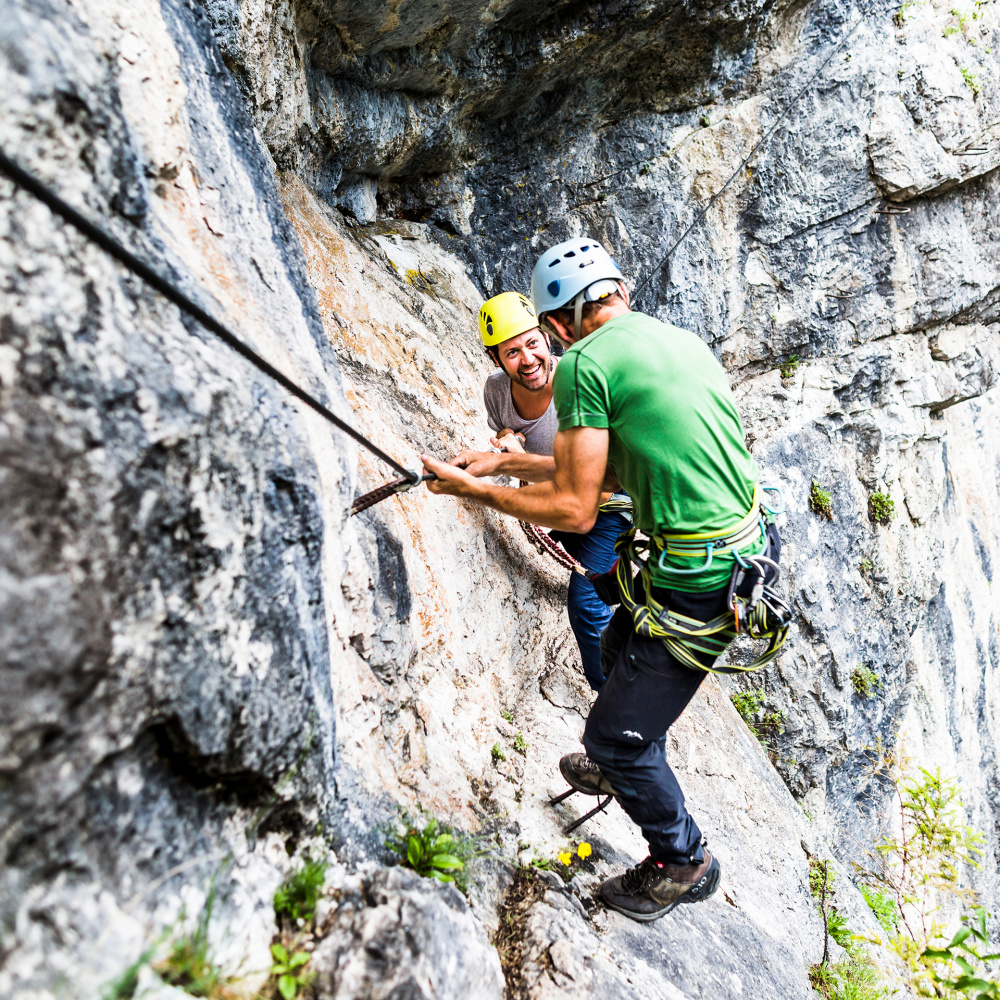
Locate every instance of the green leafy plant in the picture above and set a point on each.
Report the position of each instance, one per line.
(820, 501)
(837, 926)
(881, 508)
(917, 867)
(521, 744)
(971, 80)
(790, 365)
(295, 899)
(963, 952)
(854, 977)
(883, 907)
(289, 970)
(433, 849)
(748, 704)
(864, 681)
(507, 715)
(821, 878)
(497, 754)
(766, 726)
(428, 852)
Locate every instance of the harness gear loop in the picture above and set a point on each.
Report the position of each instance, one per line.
(689, 546)
(761, 615)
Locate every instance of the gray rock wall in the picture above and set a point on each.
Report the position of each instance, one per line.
(207, 665)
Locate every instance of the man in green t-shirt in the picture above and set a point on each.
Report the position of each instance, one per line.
(647, 407)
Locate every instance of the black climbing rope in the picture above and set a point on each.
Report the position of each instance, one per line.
(655, 270)
(170, 291)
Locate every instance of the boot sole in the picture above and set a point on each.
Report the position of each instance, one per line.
(698, 893)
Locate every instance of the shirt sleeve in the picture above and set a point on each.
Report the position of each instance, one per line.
(490, 399)
(580, 393)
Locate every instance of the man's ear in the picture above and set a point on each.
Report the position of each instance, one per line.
(623, 291)
(562, 331)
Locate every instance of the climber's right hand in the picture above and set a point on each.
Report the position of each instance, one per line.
(478, 463)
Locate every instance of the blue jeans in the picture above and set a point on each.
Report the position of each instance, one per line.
(588, 614)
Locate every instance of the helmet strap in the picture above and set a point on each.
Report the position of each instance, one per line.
(578, 313)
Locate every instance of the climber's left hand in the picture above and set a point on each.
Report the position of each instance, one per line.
(451, 480)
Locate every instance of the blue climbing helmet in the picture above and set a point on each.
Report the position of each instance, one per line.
(571, 273)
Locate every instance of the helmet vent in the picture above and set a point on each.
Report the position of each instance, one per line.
(553, 288)
(553, 263)
(572, 253)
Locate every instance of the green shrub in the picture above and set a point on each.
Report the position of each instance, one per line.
(789, 366)
(852, 978)
(748, 704)
(507, 715)
(295, 899)
(521, 744)
(497, 754)
(883, 907)
(820, 501)
(881, 508)
(818, 871)
(766, 726)
(864, 681)
(915, 869)
(971, 80)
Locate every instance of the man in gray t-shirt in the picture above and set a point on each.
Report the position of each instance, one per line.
(501, 413)
(519, 409)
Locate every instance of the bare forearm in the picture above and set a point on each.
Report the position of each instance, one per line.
(539, 503)
(524, 465)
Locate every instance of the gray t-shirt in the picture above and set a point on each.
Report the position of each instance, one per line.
(500, 413)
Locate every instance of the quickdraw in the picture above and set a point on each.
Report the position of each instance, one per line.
(761, 614)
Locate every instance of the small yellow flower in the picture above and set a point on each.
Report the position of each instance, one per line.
(584, 850)
(565, 857)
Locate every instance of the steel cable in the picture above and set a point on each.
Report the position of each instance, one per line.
(168, 290)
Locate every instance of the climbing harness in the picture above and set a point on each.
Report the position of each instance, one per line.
(655, 270)
(170, 291)
(761, 614)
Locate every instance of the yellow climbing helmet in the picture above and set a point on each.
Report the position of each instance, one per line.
(506, 315)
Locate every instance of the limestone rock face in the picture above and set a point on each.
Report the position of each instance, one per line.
(209, 668)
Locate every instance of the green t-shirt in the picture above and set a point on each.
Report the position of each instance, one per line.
(676, 440)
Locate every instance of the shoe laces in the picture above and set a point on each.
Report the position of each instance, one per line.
(637, 879)
(588, 765)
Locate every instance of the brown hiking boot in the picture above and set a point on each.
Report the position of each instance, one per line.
(652, 889)
(584, 775)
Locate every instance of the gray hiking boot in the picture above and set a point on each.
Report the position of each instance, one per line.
(584, 775)
(652, 889)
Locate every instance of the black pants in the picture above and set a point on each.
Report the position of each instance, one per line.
(645, 693)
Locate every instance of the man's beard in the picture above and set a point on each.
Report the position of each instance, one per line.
(546, 367)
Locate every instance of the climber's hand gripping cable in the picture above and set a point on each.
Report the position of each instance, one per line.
(569, 502)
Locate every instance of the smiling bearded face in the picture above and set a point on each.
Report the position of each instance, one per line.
(527, 359)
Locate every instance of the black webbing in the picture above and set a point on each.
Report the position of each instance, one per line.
(114, 248)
